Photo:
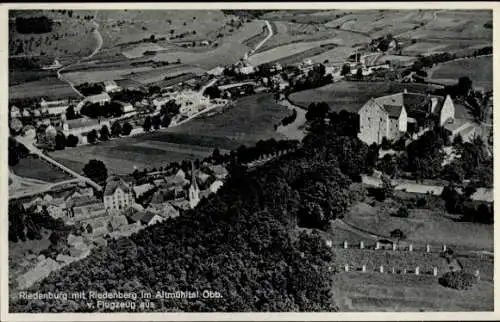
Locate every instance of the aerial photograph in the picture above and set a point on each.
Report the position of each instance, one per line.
(250, 160)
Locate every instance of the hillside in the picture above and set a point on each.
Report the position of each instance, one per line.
(242, 243)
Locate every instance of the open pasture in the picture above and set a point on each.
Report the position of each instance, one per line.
(351, 96)
(35, 168)
(159, 74)
(250, 120)
(50, 88)
(479, 70)
(370, 292)
(422, 226)
(69, 36)
(281, 52)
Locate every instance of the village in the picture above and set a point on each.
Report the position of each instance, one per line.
(142, 157)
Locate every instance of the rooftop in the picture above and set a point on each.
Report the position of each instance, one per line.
(112, 185)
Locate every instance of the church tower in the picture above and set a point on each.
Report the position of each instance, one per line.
(194, 191)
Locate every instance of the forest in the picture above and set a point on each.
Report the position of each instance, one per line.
(34, 25)
(256, 241)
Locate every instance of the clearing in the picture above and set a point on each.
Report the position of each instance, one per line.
(251, 119)
(422, 226)
(35, 168)
(479, 70)
(351, 95)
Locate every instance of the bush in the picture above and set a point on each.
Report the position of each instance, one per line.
(402, 212)
(458, 280)
(398, 233)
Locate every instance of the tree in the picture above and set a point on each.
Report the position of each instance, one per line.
(70, 113)
(156, 122)
(212, 92)
(72, 140)
(464, 85)
(165, 121)
(92, 137)
(60, 141)
(127, 128)
(387, 189)
(147, 124)
(104, 133)
(116, 129)
(402, 212)
(96, 171)
(346, 70)
(359, 73)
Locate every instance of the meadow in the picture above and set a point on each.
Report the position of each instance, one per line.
(49, 87)
(479, 70)
(35, 168)
(251, 119)
(423, 226)
(351, 96)
(370, 292)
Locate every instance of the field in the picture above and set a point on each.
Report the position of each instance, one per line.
(251, 119)
(35, 168)
(422, 226)
(370, 292)
(58, 89)
(159, 74)
(70, 36)
(281, 52)
(479, 70)
(351, 95)
(121, 155)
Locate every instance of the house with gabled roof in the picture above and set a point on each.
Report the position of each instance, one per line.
(389, 116)
(117, 195)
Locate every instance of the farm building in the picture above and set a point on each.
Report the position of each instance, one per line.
(94, 99)
(81, 126)
(111, 86)
(389, 116)
(126, 107)
(54, 107)
(15, 111)
(217, 71)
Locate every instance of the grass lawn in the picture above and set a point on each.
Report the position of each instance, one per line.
(422, 226)
(375, 292)
(479, 70)
(351, 96)
(35, 168)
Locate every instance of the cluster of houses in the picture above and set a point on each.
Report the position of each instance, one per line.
(121, 206)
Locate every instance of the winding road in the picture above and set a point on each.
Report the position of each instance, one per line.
(270, 29)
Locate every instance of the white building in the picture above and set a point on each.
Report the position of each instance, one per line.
(117, 195)
(15, 111)
(194, 191)
(111, 86)
(388, 116)
(54, 107)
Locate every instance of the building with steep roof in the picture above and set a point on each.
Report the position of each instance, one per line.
(194, 190)
(388, 116)
(117, 195)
